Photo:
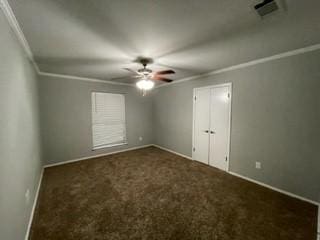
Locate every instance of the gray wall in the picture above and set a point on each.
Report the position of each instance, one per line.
(66, 118)
(275, 120)
(20, 155)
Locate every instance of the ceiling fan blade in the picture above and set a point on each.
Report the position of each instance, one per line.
(165, 72)
(162, 79)
(125, 78)
(130, 70)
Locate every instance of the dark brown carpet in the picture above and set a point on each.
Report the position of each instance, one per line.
(152, 194)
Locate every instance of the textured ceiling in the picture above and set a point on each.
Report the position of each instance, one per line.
(99, 38)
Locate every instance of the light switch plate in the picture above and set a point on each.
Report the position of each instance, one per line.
(258, 165)
(27, 196)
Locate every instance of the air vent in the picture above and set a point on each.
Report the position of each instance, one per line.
(266, 7)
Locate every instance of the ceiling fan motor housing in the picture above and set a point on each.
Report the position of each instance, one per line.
(145, 71)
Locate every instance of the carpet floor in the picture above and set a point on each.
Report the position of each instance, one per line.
(153, 194)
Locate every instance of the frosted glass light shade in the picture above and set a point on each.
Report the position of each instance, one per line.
(145, 84)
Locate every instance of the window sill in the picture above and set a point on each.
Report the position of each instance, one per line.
(109, 146)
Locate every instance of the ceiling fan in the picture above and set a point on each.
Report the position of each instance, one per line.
(147, 76)
(148, 73)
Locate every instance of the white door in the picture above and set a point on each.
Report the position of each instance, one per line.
(219, 127)
(212, 125)
(202, 125)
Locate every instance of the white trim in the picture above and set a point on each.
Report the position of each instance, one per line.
(230, 125)
(13, 22)
(95, 156)
(109, 145)
(5, 6)
(247, 64)
(169, 150)
(193, 120)
(34, 206)
(229, 85)
(82, 78)
(254, 181)
(275, 189)
(319, 222)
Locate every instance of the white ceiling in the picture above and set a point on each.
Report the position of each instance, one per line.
(97, 39)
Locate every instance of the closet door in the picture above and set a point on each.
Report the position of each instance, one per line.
(201, 125)
(219, 127)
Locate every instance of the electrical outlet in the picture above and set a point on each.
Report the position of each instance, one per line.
(258, 165)
(27, 196)
(140, 139)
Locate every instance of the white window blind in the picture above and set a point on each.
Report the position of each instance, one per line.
(108, 119)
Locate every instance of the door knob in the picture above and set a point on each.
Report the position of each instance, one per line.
(206, 131)
(212, 132)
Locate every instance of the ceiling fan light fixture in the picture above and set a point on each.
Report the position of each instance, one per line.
(145, 84)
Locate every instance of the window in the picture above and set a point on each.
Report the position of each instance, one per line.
(108, 120)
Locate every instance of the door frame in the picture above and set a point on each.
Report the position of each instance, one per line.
(229, 84)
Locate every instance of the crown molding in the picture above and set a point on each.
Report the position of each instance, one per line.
(13, 22)
(247, 64)
(82, 78)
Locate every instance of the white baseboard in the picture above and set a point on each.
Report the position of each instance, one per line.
(35, 200)
(95, 156)
(318, 222)
(169, 150)
(254, 181)
(275, 189)
(65, 162)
